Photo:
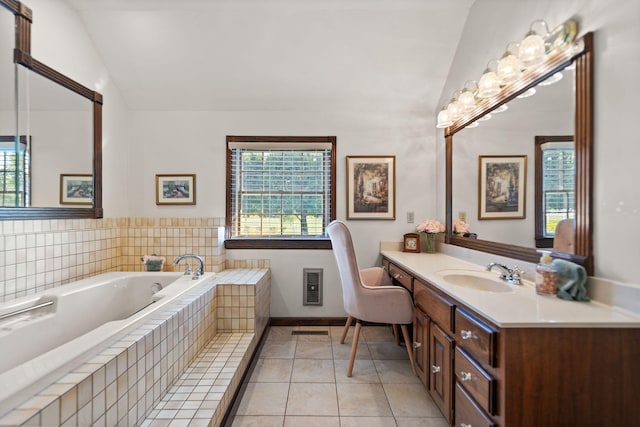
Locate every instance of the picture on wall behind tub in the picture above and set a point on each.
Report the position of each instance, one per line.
(371, 182)
(501, 187)
(76, 189)
(176, 189)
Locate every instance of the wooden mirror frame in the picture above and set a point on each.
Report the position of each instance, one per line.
(22, 56)
(581, 53)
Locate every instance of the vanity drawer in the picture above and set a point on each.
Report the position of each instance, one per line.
(438, 308)
(476, 337)
(479, 384)
(467, 413)
(401, 276)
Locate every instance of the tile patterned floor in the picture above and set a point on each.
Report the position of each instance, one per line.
(300, 380)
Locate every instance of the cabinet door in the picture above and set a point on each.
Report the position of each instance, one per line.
(440, 374)
(421, 345)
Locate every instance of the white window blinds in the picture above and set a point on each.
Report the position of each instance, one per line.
(558, 185)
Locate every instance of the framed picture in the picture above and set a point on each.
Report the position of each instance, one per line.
(371, 182)
(411, 242)
(76, 189)
(176, 189)
(501, 187)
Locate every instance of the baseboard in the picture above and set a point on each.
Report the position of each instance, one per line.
(307, 321)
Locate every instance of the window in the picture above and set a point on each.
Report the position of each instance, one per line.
(555, 185)
(280, 191)
(15, 182)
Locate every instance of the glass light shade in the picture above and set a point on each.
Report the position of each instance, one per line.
(527, 93)
(454, 108)
(444, 119)
(467, 101)
(509, 68)
(489, 84)
(532, 49)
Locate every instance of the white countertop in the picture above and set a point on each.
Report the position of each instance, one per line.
(520, 306)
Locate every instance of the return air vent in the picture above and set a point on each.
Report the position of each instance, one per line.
(312, 286)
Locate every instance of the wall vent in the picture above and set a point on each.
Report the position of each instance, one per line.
(312, 286)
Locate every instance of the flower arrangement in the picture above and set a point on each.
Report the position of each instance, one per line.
(461, 227)
(430, 226)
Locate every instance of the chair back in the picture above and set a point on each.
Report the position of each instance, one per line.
(565, 236)
(347, 265)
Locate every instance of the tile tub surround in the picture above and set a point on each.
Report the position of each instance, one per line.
(122, 384)
(40, 254)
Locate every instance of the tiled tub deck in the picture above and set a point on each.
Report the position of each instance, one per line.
(183, 363)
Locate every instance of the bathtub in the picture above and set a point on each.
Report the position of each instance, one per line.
(43, 335)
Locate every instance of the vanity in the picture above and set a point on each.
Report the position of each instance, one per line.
(494, 354)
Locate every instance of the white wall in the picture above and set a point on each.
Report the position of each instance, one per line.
(616, 196)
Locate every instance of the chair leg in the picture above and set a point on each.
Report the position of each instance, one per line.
(407, 342)
(396, 334)
(346, 329)
(354, 347)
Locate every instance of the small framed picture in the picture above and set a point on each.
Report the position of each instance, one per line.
(501, 187)
(411, 242)
(76, 189)
(176, 189)
(371, 187)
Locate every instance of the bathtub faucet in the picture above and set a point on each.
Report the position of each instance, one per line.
(199, 271)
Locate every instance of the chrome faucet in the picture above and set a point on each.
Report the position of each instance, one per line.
(199, 271)
(508, 275)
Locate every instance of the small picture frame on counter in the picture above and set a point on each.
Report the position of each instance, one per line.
(411, 242)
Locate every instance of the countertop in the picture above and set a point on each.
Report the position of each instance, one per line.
(520, 306)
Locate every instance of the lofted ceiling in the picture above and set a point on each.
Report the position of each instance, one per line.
(278, 55)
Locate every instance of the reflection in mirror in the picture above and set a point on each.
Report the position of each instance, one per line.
(549, 111)
(60, 125)
(15, 171)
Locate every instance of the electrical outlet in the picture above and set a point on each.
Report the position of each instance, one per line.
(410, 217)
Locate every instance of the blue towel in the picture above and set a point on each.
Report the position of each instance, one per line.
(571, 280)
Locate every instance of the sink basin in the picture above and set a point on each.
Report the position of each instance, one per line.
(478, 280)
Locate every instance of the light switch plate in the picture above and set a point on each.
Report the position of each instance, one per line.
(410, 217)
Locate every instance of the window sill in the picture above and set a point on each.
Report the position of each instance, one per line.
(277, 244)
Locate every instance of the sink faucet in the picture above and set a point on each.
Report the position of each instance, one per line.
(508, 275)
(199, 271)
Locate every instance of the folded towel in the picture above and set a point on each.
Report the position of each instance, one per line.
(572, 279)
(153, 262)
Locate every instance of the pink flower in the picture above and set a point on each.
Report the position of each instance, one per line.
(459, 226)
(430, 226)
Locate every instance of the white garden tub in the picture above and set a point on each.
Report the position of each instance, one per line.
(73, 322)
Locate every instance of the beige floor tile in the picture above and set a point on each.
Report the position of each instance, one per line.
(278, 349)
(272, 371)
(387, 350)
(336, 333)
(313, 350)
(396, 371)
(264, 399)
(378, 333)
(421, 422)
(410, 400)
(257, 421)
(367, 422)
(281, 333)
(311, 421)
(362, 400)
(364, 372)
(312, 399)
(313, 371)
(343, 351)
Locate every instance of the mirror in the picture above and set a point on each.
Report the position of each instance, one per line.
(563, 108)
(61, 120)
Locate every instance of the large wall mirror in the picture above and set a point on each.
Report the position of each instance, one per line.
(542, 143)
(50, 132)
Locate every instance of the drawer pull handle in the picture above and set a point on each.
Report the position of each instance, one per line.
(465, 376)
(417, 344)
(466, 335)
(397, 276)
(435, 369)
(465, 425)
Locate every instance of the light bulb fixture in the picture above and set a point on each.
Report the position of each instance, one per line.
(532, 49)
(555, 78)
(444, 119)
(527, 93)
(489, 84)
(467, 99)
(454, 108)
(509, 66)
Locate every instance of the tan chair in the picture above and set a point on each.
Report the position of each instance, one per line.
(565, 236)
(368, 294)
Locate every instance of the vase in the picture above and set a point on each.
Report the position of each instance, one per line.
(428, 242)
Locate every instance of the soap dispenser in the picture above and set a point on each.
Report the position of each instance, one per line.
(546, 275)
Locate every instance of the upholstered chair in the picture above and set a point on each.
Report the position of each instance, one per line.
(368, 294)
(565, 236)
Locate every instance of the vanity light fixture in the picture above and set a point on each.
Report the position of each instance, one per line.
(489, 84)
(467, 99)
(532, 49)
(509, 66)
(444, 119)
(454, 108)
